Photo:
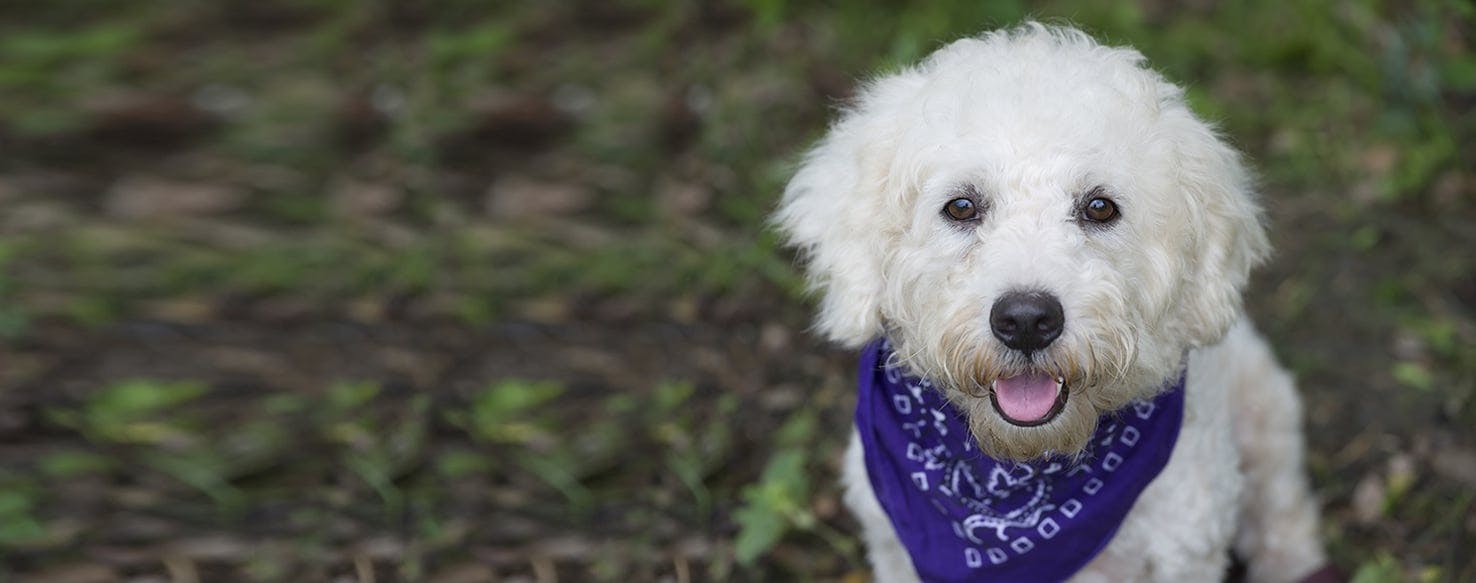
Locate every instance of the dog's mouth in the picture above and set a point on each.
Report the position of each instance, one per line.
(1029, 399)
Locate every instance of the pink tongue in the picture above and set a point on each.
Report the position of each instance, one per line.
(1026, 398)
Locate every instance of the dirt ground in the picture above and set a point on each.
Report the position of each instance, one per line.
(468, 291)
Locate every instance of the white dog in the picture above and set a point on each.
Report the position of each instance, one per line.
(1045, 249)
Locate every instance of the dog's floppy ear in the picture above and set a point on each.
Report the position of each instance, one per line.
(833, 212)
(1226, 235)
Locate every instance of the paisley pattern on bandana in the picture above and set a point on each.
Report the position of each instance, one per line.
(964, 516)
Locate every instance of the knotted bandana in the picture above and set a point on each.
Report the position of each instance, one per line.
(964, 516)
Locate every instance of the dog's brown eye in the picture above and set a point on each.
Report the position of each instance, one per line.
(1099, 210)
(962, 209)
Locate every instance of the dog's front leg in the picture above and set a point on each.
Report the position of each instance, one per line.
(1278, 515)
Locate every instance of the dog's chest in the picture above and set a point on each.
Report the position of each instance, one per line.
(1187, 514)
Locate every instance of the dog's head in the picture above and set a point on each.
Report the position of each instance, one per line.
(1039, 224)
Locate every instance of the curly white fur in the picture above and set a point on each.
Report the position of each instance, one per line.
(1032, 119)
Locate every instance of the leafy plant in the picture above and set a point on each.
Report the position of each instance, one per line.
(507, 411)
(774, 505)
(134, 411)
(780, 501)
(1383, 568)
(378, 445)
(18, 523)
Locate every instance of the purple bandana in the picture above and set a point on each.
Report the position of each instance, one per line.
(966, 517)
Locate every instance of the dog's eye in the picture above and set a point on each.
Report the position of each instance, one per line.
(1099, 210)
(962, 209)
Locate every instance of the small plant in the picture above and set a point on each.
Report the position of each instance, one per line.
(507, 412)
(379, 445)
(134, 411)
(780, 501)
(774, 505)
(18, 523)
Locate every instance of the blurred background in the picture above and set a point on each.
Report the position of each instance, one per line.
(458, 291)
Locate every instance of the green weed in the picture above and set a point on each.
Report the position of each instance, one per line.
(18, 522)
(135, 411)
(506, 411)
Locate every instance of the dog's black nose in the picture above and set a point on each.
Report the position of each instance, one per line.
(1026, 321)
